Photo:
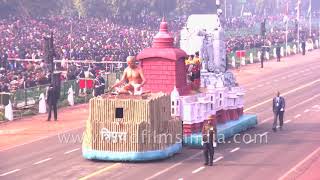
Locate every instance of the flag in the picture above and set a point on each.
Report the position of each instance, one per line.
(309, 9)
(310, 16)
(286, 18)
(298, 5)
(298, 9)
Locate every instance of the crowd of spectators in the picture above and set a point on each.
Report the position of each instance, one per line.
(75, 39)
(276, 32)
(95, 39)
(86, 38)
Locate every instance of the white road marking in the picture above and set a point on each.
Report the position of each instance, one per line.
(218, 159)
(296, 116)
(42, 161)
(100, 171)
(10, 131)
(287, 121)
(300, 163)
(10, 172)
(173, 166)
(72, 151)
(315, 106)
(235, 149)
(180, 179)
(197, 170)
(307, 110)
(284, 94)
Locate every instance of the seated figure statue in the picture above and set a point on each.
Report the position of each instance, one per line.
(133, 77)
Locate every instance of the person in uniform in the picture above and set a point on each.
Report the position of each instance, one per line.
(262, 57)
(52, 100)
(196, 71)
(99, 85)
(189, 66)
(209, 140)
(278, 106)
(188, 60)
(278, 52)
(303, 46)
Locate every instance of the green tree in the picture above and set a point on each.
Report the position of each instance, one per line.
(80, 7)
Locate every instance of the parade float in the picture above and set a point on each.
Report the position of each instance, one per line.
(131, 128)
(140, 127)
(219, 96)
(154, 125)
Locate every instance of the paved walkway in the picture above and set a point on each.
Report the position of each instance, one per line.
(36, 127)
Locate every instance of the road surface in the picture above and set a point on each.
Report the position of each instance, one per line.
(32, 148)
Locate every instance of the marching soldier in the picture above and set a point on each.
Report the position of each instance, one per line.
(209, 140)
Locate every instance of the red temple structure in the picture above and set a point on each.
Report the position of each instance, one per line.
(163, 64)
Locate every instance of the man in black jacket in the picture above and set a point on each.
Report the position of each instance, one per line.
(278, 52)
(278, 106)
(52, 100)
(303, 46)
(99, 85)
(262, 56)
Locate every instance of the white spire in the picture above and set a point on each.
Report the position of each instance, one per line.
(175, 103)
(175, 94)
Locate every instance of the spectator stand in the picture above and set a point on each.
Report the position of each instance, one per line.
(240, 60)
(26, 100)
(255, 53)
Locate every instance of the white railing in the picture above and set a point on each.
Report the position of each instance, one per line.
(114, 65)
